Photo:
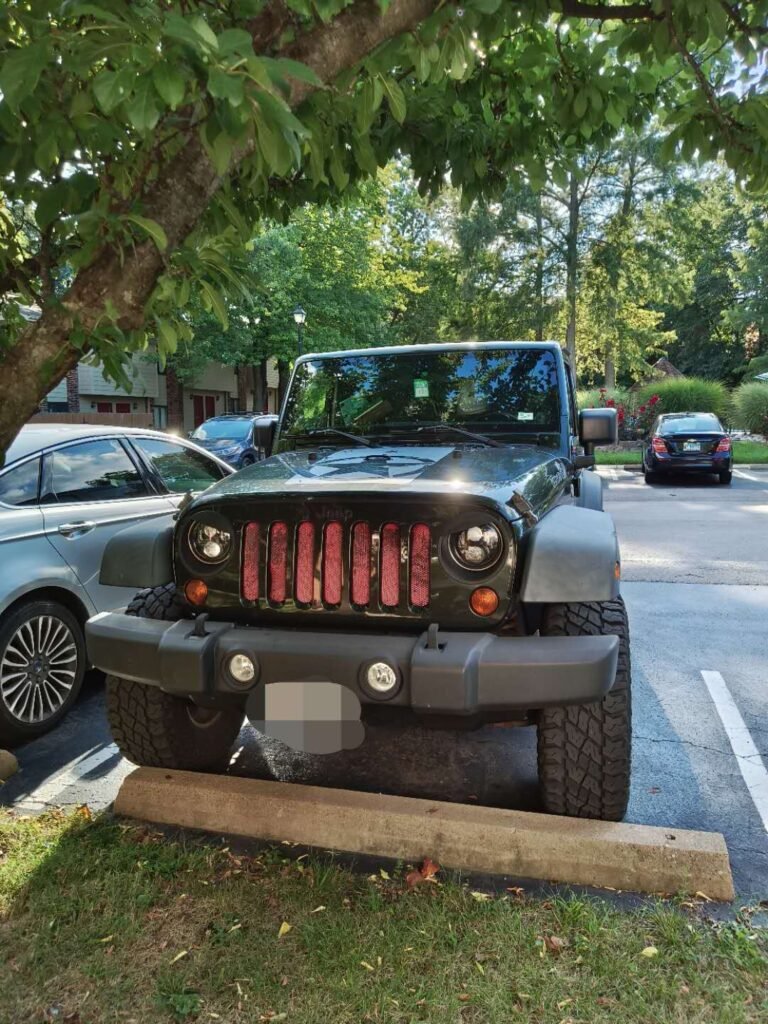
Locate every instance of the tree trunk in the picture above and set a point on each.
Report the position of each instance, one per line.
(284, 376)
(243, 382)
(610, 370)
(539, 273)
(571, 267)
(122, 281)
(175, 398)
(259, 371)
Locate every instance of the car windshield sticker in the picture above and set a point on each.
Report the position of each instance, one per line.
(525, 415)
(421, 389)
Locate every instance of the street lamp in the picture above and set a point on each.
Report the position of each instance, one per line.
(300, 316)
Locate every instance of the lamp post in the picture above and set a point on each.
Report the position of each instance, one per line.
(300, 316)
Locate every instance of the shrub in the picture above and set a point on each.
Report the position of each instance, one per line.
(750, 407)
(595, 398)
(688, 394)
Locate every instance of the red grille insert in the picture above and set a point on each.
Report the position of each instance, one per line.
(389, 584)
(251, 562)
(421, 539)
(360, 587)
(305, 563)
(332, 545)
(278, 562)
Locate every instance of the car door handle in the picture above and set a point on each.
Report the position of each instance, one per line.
(75, 529)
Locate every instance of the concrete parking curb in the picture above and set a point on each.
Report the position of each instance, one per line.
(479, 839)
(635, 467)
(8, 765)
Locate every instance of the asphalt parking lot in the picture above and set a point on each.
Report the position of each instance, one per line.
(695, 565)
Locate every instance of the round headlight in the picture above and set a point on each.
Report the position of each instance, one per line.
(209, 543)
(478, 547)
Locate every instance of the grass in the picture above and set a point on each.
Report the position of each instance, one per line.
(744, 452)
(106, 922)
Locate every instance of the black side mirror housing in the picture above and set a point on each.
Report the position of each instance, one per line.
(264, 434)
(598, 426)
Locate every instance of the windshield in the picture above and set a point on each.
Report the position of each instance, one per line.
(687, 424)
(512, 391)
(218, 430)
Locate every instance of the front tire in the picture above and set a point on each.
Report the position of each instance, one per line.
(584, 749)
(157, 729)
(42, 663)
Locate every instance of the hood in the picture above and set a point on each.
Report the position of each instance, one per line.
(492, 473)
(219, 444)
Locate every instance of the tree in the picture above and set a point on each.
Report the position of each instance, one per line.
(143, 141)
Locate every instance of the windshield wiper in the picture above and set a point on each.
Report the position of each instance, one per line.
(448, 428)
(332, 432)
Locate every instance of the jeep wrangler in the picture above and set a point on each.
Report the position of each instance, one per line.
(425, 542)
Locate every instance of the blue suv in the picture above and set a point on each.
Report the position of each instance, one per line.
(231, 438)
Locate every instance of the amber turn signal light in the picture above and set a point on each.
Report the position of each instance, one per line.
(196, 591)
(484, 601)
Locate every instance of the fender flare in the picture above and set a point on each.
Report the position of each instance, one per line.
(590, 491)
(139, 556)
(571, 556)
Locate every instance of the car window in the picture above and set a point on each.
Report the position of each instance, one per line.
(19, 486)
(94, 471)
(181, 469)
(685, 424)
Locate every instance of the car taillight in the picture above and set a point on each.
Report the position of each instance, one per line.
(658, 445)
(724, 445)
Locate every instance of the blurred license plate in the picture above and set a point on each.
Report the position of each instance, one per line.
(691, 446)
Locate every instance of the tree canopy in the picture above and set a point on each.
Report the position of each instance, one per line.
(143, 141)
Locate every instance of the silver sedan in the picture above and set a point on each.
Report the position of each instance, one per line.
(64, 491)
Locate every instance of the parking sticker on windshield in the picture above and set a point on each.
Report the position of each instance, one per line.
(525, 415)
(421, 389)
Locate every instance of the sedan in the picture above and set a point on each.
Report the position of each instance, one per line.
(64, 492)
(687, 442)
(232, 438)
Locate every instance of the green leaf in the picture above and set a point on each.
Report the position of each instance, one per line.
(580, 104)
(20, 72)
(613, 115)
(216, 303)
(646, 81)
(167, 335)
(237, 41)
(295, 69)
(51, 204)
(110, 88)
(195, 32)
(155, 231)
(485, 6)
(395, 98)
(170, 84)
(221, 152)
(225, 86)
(142, 109)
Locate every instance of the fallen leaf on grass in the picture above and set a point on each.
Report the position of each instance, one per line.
(107, 938)
(554, 943)
(318, 909)
(481, 897)
(179, 956)
(703, 896)
(366, 965)
(426, 873)
(284, 929)
(384, 874)
(563, 1003)
(464, 997)
(649, 951)
(516, 890)
(84, 812)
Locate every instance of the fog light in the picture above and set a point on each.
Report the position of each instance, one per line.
(196, 591)
(484, 601)
(242, 668)
(381, 677)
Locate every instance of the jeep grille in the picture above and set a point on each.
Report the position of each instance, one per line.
(315, 564)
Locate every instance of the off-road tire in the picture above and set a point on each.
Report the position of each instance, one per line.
(584, 750)
(725, 477)
(158, 730)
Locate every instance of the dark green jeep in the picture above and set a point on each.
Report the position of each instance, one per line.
(426, 542)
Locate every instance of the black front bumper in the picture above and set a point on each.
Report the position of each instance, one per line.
(439, 672)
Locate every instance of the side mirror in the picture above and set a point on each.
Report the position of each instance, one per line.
(264, 434)
(598, 426)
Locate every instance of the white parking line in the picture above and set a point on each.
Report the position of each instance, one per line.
(748, 758)
(749, 476)
(53, 787)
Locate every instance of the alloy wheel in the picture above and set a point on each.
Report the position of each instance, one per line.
(38, 669)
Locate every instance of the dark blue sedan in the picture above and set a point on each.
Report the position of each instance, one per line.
(231, 438)
(687, 442)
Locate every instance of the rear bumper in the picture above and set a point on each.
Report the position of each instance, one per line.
(683, 464)
(448, 673)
